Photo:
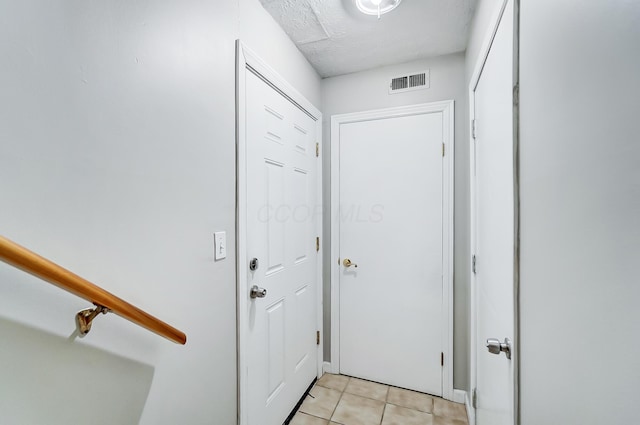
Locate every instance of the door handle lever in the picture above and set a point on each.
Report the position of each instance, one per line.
(348, 263)
(496, 347)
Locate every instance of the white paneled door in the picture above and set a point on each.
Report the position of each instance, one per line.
(494, 241)
(282, 214)
(392, 268)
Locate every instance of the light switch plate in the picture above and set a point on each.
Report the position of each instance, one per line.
(220, 245)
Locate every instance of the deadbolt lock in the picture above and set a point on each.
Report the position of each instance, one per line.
(254, 264)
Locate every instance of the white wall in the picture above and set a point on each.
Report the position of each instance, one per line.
(369, 90)
(580, 198)
(117, 157)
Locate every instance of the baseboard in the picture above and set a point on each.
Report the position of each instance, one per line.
(327, 368)
(471, 412)
(459, 396)
(462, 397)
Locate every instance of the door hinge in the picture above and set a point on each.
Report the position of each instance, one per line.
(473, 128)
(474, 398)
(317, 149)
(317, 337)
(318, 244)
(473, 264)
(516, 95)
(441, 359)
(443, 149)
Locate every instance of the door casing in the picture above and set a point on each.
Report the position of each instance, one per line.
(475, 78)
(248, 61)
(447, 109)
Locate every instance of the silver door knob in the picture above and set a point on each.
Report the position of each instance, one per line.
(257, 292)
(496, 347)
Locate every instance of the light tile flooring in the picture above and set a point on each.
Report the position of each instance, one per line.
(341, 400)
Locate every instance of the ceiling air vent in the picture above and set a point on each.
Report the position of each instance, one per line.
(415, 81)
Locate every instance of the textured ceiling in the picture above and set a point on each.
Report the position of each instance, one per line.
(337, 39)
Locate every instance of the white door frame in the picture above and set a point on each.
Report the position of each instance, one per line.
(447, 110)
(248, 61)
(475, 79)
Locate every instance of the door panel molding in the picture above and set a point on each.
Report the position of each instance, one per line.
(447, 110)
(248, 61)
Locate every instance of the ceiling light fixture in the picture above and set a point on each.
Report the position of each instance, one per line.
(377, 7)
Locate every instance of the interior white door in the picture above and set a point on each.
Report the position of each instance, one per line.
(494, 228)
(282, 173)
(391, 229)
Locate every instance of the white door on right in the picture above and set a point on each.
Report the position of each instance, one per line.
(494, 230)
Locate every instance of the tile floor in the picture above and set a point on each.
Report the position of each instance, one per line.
(341, 400)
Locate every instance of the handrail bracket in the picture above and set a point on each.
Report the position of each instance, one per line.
(104, 301)
(85, 317)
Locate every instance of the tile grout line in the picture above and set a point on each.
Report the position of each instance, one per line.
(384, 409)
(336, 406)
(334, 409)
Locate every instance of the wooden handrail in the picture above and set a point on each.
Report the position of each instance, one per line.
(30, 262)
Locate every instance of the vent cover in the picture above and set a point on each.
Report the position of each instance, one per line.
(414, 81)
(400, 83)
